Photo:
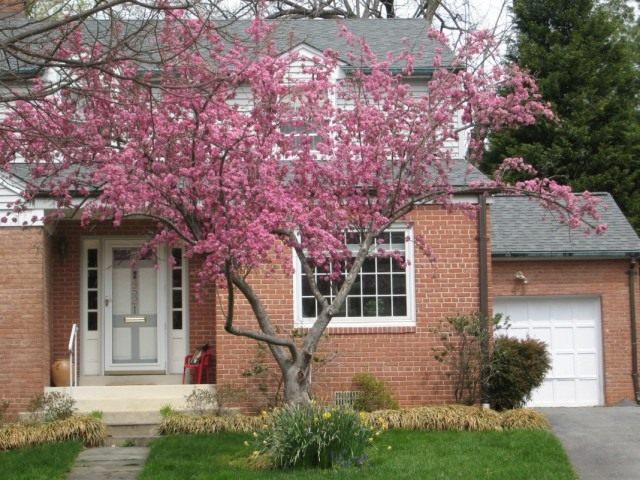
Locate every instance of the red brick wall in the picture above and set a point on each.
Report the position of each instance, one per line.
(202, 316)
(24, 346)
(11, 6)
(402, 357)
(607, 279)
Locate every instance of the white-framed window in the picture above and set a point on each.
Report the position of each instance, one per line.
(382, 295)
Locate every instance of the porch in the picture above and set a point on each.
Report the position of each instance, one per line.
(136, 312)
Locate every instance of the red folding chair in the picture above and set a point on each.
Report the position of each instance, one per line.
(200, 365)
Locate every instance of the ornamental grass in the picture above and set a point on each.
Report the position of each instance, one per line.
(433, 418)
(180, 423)
(524, 419)
(87, 429)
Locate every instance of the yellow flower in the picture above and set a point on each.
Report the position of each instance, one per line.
(264, 413)
(326, 415)
(370, 439)
(246, 444)
(255, 453)
(255, 434)
(363, 416)
(388, 447)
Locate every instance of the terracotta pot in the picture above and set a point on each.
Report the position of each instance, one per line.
(60, 373)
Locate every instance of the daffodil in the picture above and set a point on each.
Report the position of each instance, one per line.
(326, 415)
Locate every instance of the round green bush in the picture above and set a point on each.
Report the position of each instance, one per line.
(517, 367)
(313, 436)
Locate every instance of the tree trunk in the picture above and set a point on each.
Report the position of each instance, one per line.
(296, 385)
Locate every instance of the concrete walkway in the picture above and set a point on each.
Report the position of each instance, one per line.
(109, 463)
(603, 443)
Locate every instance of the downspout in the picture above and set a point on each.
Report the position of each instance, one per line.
(634, 332)
(483, 267)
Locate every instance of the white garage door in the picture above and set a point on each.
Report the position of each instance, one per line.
(570, 326)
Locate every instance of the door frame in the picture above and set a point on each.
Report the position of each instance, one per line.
(162, 307)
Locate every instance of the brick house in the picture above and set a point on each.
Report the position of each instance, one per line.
(136, 324)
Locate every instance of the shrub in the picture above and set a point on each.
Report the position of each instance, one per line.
(517, 367)
(204, 402)
(201, 401)
(87, 429)
(313, 436)
(524, 419)
(374, 394)
(462, 337)
(52, 406)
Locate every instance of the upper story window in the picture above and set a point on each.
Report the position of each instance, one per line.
(382, 295)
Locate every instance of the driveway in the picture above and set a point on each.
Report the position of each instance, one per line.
(603, 443)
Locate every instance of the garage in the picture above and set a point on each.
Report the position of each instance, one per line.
(570, 326)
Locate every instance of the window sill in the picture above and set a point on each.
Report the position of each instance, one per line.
(363, 329)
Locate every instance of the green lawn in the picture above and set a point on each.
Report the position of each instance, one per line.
(50, 461)
(513, 455)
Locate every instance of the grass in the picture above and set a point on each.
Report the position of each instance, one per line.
(517, 454)
(49, 461)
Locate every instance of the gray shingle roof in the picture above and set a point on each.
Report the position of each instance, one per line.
(383, 36)
(521, 227)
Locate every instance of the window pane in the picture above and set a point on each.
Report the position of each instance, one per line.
(92, 300)
(399, 306)
(399, 285)
(354, 305)
(176, 253)
(341, 312)
(369, 265)
(383, 241)
(92, 321)
(384, 307)
(176, 276)
(369, 307)
(309, 307)
(384, 284)
(355, 288)
(92, 258)
(324, 285)
(177, 320)
(396, 266)
(306, 290)
(398, 239)
(384, 264)
(177, 298)
(92, 279)
(368, 284)
(353, 238)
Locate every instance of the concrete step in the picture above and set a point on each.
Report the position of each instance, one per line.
(130, 398)
(120, 441)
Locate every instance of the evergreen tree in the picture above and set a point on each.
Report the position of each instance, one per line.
(585, 55)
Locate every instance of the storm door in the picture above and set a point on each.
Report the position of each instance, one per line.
(135, 308)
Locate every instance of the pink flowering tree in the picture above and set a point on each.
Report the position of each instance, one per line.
(301, 164)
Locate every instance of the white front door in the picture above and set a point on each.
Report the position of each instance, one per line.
(135, 308)
(570, 326)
